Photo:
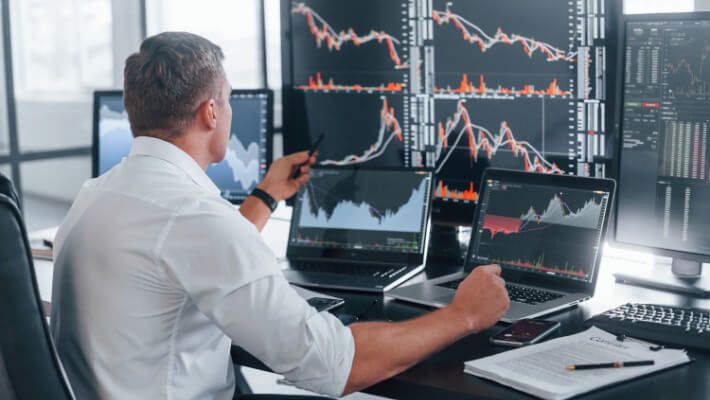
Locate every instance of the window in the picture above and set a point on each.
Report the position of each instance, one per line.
(73, 34)
(233, 25)
(62, 50)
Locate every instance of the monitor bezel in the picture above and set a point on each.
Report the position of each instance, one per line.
(296, 252)
(99, 94)
(562, 181)
(615, 241)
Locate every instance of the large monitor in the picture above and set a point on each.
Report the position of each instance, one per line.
(248, 154)
(451, 85)
(664, 170)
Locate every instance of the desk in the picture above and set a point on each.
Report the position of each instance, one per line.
(441, 375)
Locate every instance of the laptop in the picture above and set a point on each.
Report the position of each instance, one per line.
(359, 228)
(545, 231)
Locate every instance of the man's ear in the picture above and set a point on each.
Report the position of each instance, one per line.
(207, 114)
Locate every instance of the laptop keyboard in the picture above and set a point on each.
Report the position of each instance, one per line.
(518, 294)
(375, 271)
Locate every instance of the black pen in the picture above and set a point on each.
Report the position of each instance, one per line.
(618, 364)
(297, 172)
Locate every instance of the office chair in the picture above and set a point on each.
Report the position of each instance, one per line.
(29, 364)
(8, 190)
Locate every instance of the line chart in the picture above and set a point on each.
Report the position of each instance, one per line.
(317, 85)
(477, 36)
(559, 212)
(467, 86)
(323, 33)
(486, 141)
(390, 129)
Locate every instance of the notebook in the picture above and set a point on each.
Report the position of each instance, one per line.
(539, 370)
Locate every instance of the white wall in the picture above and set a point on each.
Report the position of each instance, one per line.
(702, 5)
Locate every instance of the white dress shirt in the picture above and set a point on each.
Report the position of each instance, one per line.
(156, 276)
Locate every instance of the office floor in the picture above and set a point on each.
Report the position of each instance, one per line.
(41, 213)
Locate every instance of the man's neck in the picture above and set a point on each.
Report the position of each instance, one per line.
(189, 142)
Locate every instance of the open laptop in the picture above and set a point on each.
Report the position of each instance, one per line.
(545, 231)
(359, 228)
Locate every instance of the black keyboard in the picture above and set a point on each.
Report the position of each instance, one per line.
(375, 271)
(675, 326)
(519, 294)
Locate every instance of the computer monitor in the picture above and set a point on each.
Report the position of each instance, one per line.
(455, 86)
(248, 154)
(664, 175)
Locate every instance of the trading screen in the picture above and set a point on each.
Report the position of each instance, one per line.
(382, 210)
(541, 229)
(664, 176)
(245, 162)
(454, 86)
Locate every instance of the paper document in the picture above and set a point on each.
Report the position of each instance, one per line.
(539, 370)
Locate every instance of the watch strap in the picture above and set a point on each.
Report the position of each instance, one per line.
(266, 198)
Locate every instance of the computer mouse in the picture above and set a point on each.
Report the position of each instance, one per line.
(346, 319)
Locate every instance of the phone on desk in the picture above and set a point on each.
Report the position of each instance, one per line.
(525, 332)
(324, 303)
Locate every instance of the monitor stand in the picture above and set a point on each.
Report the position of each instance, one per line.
(683, 276)
(448, 245)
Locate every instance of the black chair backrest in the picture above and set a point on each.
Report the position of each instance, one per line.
(31, 365)
(8, 190)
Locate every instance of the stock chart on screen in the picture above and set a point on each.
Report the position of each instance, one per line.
(664, 171)
(368, 209)
(246, 156)
(540, 229)
(454, 86)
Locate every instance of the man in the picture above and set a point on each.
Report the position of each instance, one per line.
(156, 276)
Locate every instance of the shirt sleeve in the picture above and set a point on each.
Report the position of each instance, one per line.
(232, 277)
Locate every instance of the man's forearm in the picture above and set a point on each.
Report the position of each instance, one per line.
(384, 349)
(255, 211)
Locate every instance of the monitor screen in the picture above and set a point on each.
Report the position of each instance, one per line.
(664, 176)
(248, 152)
(363, 209)
(454, 86)
(542, 229)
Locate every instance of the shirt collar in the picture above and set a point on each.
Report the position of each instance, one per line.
(157, 148)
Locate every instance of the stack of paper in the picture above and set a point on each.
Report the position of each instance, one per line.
(540, 370)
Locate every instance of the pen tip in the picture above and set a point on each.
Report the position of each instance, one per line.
(570, 368)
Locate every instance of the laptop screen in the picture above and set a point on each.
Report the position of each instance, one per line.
(380, 210)
(547, 230)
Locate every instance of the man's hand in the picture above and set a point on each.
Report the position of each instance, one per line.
(481, 299)
(278, 182)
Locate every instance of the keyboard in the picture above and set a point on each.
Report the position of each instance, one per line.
(519, 294)
(675, 326)
(375, 271)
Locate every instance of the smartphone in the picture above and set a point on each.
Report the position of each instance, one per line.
(525, 332)
(325, 304)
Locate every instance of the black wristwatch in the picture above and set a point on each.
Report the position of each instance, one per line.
(266, 198)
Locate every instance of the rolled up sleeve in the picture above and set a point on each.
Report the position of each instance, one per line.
(313, 350)
(238, 285)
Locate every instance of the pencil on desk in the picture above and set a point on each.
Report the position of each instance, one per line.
(617, 364)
